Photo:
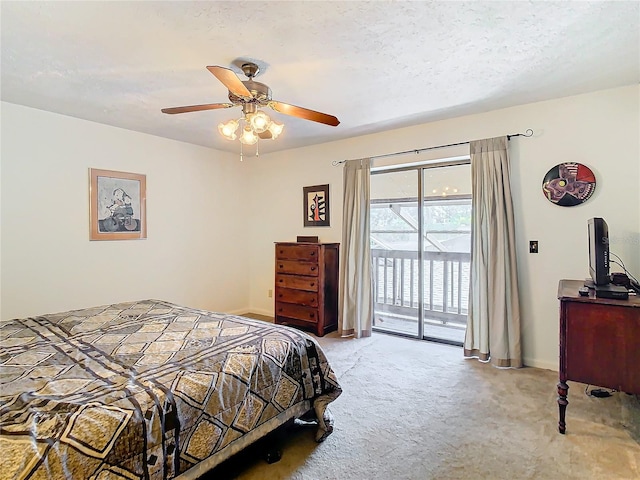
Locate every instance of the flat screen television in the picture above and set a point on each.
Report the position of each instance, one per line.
(599, 251)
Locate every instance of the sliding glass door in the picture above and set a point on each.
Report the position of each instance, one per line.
(394, 247)
(446, 259)
(420, 246)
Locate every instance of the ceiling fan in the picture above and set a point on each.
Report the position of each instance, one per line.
(251, 95)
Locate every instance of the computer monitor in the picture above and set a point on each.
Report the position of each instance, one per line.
(599, 251)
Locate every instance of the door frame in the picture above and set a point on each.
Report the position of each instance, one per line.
(420, 169)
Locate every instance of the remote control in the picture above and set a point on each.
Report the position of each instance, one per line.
(583, 291)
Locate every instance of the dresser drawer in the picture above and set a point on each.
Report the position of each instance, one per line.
(297, 267)
(308, 253)
(308, 314)
(300, 283)
(300, 297)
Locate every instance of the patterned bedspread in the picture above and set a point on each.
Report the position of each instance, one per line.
(145, 389)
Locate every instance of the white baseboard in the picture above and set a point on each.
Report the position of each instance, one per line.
(244, 311)
(532, 362)
(260, 311)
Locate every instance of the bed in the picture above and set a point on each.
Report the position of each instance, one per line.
(150, 390)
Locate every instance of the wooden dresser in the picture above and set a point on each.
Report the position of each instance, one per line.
(307, 286)
(599, 340)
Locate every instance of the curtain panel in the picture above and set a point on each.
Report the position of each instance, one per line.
(493, 325)
(356, 292)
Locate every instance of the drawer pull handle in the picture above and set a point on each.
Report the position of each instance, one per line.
(311, 315)
(280, 310)
(281, 251)
(280, 280)
(313, 269)
(313, 253)
(280, 296)
(281, 266)
(311, 284)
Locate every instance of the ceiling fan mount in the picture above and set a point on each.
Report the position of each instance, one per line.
(250, 69)
(250, 95)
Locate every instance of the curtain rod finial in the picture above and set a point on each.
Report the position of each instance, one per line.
(527, 133)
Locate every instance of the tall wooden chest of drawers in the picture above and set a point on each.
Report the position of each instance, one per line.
(307, 286)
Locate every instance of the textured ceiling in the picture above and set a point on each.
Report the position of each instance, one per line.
(374, 65)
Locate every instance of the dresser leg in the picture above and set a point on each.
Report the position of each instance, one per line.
(563, 390)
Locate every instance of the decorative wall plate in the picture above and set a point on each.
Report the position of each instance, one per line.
(569, 184)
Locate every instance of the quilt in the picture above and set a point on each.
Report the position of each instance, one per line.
(147, 389)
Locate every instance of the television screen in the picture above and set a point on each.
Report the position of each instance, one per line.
(599, 251)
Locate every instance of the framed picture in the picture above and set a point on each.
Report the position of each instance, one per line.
(118, 205)
(316, 206)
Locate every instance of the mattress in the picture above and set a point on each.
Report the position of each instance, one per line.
(149, 390)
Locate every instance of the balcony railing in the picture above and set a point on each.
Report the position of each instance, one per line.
(445, 286)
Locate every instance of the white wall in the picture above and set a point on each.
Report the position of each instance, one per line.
(212, 220)
(196, 219)
(600, 130)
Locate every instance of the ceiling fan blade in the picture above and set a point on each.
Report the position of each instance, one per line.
(231, 81)
(196, 108)
(304, 113)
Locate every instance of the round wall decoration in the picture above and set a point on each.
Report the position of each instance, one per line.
(569, 184)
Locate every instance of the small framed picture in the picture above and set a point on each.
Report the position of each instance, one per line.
(118, 204)
(316, 206)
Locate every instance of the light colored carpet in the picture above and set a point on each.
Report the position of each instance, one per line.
(417, 410)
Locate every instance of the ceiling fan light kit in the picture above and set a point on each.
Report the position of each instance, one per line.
(228, 130)
(259, 121)
(250, 95)
(248, 136)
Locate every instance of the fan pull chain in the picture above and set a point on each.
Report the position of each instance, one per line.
(257, 152)
(241, 155)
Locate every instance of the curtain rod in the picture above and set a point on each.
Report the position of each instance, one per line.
(528, 133)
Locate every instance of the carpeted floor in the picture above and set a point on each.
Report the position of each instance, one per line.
(417, 410)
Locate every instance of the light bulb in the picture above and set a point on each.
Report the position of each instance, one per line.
(259, 121)
(228, 130)
(275, 129)
(248, 137)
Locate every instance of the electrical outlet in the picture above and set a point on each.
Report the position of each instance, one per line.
(533, 246)
(270, 293)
